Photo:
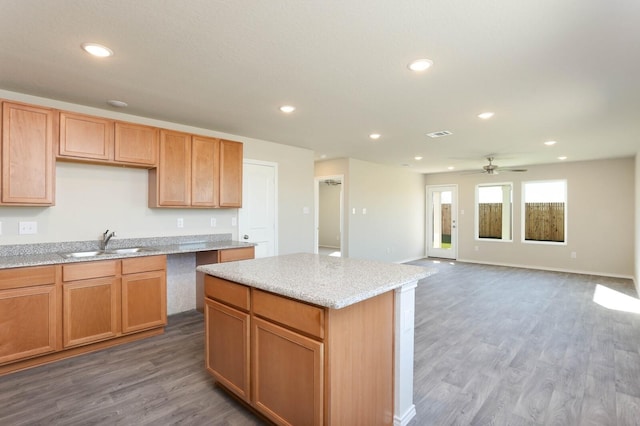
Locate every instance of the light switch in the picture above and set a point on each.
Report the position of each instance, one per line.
(305, 210)
(353, 211)
(364, 210)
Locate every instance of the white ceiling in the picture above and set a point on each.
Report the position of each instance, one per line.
(567, 70)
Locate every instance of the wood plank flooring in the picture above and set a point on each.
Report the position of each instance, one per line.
(494, 346)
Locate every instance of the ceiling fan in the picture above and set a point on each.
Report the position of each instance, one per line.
(492, 169)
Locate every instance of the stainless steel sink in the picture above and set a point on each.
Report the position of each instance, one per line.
(128, 250)
(83, 253)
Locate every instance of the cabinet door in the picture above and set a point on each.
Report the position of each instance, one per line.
(227, 346)
(170, 183)
(144, 301)
(230, 174)
(90, 311)
(83, 136)
(287, 374)
(27, 155)
(205, 174)
(28, 322)
(136, 144)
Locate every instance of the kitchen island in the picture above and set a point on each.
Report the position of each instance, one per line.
(311, 339)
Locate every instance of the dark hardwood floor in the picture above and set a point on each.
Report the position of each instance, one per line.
(494, 346)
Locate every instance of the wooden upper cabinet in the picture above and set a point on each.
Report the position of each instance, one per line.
(204, 171)
(230, 174)
(28, 161)
(196, 171)
(170, 183)
(83, 136)
(136, 144)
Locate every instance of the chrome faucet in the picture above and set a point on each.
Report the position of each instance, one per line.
(105, 239)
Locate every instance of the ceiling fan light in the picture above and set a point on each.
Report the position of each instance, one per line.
(486, 115)
(96, 49)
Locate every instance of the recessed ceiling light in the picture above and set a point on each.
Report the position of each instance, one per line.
(486, 115)
(97, 50)
(417, 158)
(375, 136)
(323, 156)
(450, 168)
(420, 65)
(550, 143)
(287, 109)
(117, 104)
(562, 157)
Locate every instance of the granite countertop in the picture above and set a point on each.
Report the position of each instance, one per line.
(15, 256)
(332, 282)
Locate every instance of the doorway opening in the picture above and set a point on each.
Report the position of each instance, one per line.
(329, 215)
(442, 221)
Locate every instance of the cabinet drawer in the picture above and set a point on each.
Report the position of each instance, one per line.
(144, 264)
(230, 255)
(85, 270)
(297, 315)
(226, 291)
(27, 277)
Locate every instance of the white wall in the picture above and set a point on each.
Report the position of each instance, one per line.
(329, 215)
(637, 225)
(393, 227)
(601, 214)
(91, 198)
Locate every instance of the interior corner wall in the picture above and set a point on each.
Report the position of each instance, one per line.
(601, 212)
(387, 210)
(91, 198)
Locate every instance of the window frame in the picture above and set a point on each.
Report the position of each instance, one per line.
(523, 216)
(477, 213)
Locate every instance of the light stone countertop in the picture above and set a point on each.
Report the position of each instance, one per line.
(332, 282)
(15, 256)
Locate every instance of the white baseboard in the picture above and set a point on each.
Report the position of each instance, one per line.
(544, 268)
(405, 418)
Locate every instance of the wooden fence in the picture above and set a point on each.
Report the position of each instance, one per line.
(446, 219)
(490, 220)
(544, 222)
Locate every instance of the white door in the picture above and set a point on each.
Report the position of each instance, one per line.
(258, 215)
(442, 221)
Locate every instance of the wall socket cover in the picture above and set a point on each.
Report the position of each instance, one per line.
(180, 222)
(28, 228)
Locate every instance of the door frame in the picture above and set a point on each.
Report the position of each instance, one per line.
(275, 201)
(430, 252)
(316, 218)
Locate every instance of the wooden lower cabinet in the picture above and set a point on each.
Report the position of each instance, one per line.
(227, 348)
(308, 365)
(28, 322)
(91, 310)
(29, 313)
(287, 374)
(52, 312)
(144, 301)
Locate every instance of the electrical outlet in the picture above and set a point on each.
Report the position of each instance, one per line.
(0, 228)
(180, 222)
(573, 255)
(28, 228)
(213, 222)
(234, 221)
(364, 210)
(476, 248)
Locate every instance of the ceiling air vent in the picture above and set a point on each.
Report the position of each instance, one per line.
(439, 134)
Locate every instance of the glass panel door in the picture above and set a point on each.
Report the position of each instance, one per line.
(442, 221)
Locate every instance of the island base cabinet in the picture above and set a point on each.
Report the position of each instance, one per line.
(227, 348)
(287, 375)
(27, 322)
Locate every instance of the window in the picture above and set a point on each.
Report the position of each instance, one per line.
(494, 212)
(544, 210)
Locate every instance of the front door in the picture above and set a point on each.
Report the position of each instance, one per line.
(442, 221)
(258, 215)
